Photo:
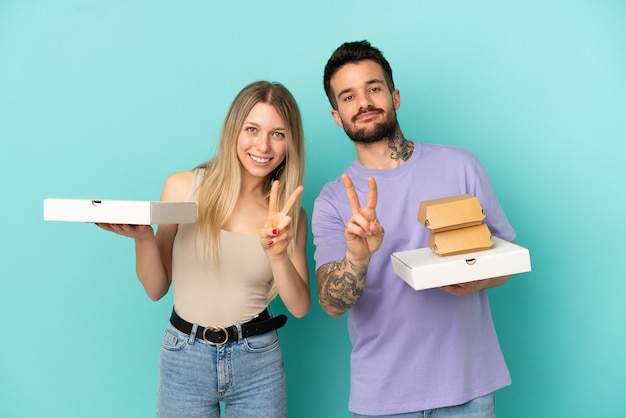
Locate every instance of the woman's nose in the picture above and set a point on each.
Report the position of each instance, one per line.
(262, 143)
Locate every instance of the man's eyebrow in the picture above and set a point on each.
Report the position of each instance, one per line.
(374, 81)
(344, 91)
(367, 83)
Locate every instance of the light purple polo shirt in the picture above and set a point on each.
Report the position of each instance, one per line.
(414, 350)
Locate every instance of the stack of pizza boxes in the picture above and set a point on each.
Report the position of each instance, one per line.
(455, 224)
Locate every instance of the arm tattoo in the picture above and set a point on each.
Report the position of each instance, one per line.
(340, 284)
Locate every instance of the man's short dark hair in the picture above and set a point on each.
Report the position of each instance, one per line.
(352, 52)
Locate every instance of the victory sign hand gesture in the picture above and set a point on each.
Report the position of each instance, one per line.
(277, 232)
(363, 233)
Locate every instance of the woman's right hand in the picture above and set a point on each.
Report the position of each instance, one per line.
(277, 232)
(137, 232)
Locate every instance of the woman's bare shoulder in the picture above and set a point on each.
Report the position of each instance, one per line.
(177, 185)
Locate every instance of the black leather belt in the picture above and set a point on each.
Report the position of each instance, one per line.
(220, 335)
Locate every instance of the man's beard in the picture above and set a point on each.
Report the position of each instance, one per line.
(382, 130)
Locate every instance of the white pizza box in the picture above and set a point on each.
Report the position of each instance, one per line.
(424, 269)
(132, 212)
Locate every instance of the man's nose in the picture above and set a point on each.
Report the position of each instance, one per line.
(364, 101)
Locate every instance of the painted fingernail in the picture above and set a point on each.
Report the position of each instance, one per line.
(270, 242)
(274, 231)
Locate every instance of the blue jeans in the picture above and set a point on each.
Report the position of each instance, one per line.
(483, 407)
(247, 376)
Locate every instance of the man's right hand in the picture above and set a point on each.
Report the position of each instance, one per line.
(364, 234)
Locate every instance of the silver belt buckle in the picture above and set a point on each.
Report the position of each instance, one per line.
(215, 329)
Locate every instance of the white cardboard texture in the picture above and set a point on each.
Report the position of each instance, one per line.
(132, 212)
(423, 269)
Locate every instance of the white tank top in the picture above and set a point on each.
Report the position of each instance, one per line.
(236, 292)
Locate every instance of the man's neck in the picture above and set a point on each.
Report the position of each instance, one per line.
(386, 154)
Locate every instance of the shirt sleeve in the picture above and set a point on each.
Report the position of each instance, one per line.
(328, 224)
(495, 218)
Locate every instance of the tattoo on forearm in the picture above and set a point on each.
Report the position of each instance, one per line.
(340, 284)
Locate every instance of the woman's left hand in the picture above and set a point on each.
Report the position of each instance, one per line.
(277, 232)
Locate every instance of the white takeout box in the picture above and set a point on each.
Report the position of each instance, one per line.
(132, 212)
(423, 269)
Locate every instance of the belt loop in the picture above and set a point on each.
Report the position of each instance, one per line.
(192, 334)
(239, 334)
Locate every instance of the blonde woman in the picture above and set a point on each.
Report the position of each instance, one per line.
(248, 245)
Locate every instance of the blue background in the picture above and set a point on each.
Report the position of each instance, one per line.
(105, 99)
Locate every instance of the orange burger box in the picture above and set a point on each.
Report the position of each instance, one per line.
(450, 213)
(132, 212)
(424, 269)
(460, 240)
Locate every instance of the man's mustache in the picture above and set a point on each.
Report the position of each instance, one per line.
(365, 110)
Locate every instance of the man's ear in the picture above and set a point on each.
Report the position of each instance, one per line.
(337, 118)
(396, 99)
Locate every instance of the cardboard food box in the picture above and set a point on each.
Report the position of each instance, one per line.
(461, 240)
(132, 212)
(450, 212)
(423, 269)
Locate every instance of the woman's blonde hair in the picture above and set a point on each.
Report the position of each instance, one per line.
(219, 189)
